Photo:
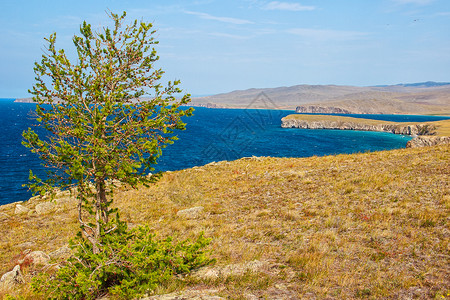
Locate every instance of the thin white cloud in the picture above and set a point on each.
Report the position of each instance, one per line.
(220, 19)
(417, 2)
(444, 13)
(229, 36)
(276, 5)
(325, 34)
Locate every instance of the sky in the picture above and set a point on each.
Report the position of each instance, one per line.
(217, 46)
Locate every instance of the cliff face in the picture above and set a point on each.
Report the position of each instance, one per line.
(422, 141)
(208, 105)
(24, 100)
(407, 129)
(313, 109)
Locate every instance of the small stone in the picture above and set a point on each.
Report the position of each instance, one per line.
(3, 216)
(20, 209)
(11, 278)
(309, 295)
(26, 245)
(45, 207)
(65, 202)
(192, 294)
(63, 252)
(249, 296)
(209, 273)
(190, 213)
(37, 258)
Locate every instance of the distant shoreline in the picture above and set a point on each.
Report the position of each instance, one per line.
(424, 98)
(23, 100)
(30, 100)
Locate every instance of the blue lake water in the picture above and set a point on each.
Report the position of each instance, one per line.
(211, 135)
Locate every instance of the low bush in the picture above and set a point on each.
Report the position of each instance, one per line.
(131, 263)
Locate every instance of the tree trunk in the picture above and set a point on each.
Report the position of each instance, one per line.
(101, 212)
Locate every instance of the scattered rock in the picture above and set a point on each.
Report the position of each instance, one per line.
(218, 163)
(255, 266)
(45, 207)
(11, 278)
(3, 216)
(252, 158)
(190, 213)
(20, 209)
(26, 245)
(63, 252)
(414, 292)
(187, 295)
(423, 141)
(281, 291)
(36, 258)
(309, 295)
(249, 296)
(65, 202)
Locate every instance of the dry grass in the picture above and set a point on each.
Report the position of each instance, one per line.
(372, 225)
(442, 127)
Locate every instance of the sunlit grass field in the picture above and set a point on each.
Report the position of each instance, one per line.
(370, 225)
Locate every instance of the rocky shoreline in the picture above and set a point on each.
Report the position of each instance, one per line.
(314, 109)
(423, 134)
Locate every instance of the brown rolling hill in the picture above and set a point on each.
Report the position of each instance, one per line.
(423, 98)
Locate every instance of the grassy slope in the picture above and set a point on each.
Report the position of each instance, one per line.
(443, 127)
(347, 226)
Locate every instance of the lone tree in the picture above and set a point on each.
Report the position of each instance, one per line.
(101, 129)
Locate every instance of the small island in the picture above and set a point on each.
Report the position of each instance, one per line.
(423, 133)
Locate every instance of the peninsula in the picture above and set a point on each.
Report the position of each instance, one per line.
(424, 133)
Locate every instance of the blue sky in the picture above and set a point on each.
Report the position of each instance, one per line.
(220, 46)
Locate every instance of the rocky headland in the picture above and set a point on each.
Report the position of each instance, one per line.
(314, 109)
(24, 100)
(423, 141)
(406, 129)
(424, 134)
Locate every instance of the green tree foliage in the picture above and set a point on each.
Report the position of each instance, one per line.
(101, 130)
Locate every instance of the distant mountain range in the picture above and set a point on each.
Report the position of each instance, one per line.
(412, 98)
(406, 98)
(420, 84)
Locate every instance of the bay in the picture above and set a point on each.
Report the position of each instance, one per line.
(211, 135)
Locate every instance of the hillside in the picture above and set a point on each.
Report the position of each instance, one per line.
(419, 98)
(414, 98)
(372, 225)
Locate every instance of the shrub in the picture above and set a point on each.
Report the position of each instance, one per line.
(131, 264)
